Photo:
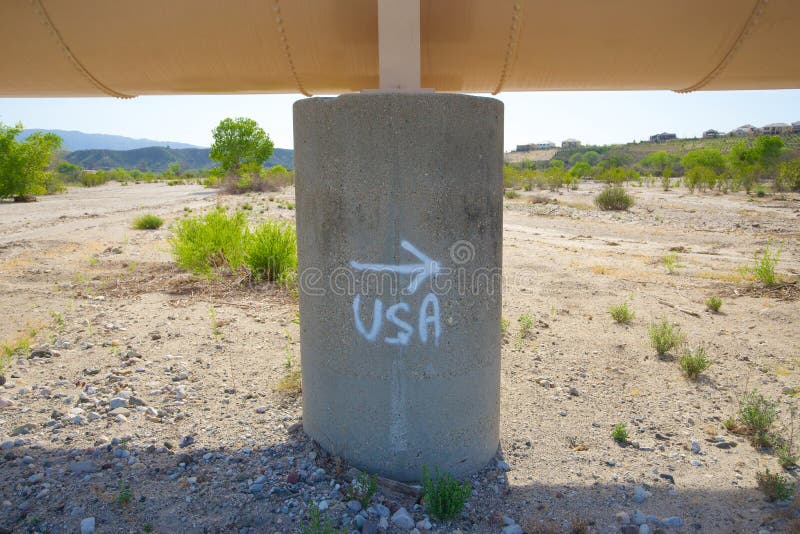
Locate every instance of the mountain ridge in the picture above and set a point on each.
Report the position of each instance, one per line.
(76, 140)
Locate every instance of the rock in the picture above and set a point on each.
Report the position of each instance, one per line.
(425, 524)
(574, 392)
(695, 446)
(370, 526)
(88, 526)
(644, 529)
(383, 523)
(512, 529)
(294, 477)
(261, 409)
(323, 505)
(696, 463)
(640, 495)
(5, 403)
(41, 352)
(629, 529)
(382, 510)
(672, 521)
(354, 506)
(77, 420)
(623, 517)
(503, 466)
(668, 478)
(136, 401)
(22, 430)
(402, 519)
(117, 402)
(638, 518)
(186, 441)
(84, 467)
(726, 445)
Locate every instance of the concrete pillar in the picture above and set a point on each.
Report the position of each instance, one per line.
(399, 225)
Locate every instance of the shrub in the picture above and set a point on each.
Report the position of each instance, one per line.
(216, 240)
(761, 191)
(620, 433)
(756, 412)
(148, 222)
(664, 336)
(613, 198)
(714, 303)
(443, 495)
(786, 456)
(272, 251)
(774, 486)
(622, 313)
(511, 194)
(764, 266)
(504, 324)
(694, 363)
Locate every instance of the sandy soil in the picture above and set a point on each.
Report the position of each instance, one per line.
(203, 359)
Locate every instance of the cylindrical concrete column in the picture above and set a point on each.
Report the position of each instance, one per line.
(399, 226)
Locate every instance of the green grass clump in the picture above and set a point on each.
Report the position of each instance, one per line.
(620, 433)
(664, 336)
(671, 263)
(316, 523)
(694, 363)
(205, 243)
(125, 495)
(714, 303)
(443, 495)
(511, 194)
(757, 413)
(622, 313)
(219, 241)
(613, 198)
(774, 486)
(148, 222)
(525, 325)
(763, 267)
(272, 251)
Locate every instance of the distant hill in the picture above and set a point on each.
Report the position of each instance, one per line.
(158, 158)
(83, 141)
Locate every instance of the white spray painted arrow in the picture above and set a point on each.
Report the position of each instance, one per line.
(419, 271)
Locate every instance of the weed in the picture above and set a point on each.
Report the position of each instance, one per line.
(148, 221)
(671, 263)
(622, 313)
(247, 206)
(694, 363)
(93, 261)
(757, 413)
(664, 336)
(272, 251)
(316, 523)
(125, 495)
(511, 194)
(291, 382)
(786, 456)
(614, 198)
(774, 486)
(620, 433)
(729, 424)
(362, 489)
(714, 303)
(525, 325)
(58, 319)
(215, 326)
(444, 495)
(764, 265)
(761, 191)
(148, 528)
(504, 324)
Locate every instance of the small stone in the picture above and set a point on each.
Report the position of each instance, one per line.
(695, 446)
(623, 517)
(261, 409)
(5, 403)
(638, 518)
(293, 477)
(88, 526)
(370, 526)
(669, 478)
(117, 402)
(402, 519)
(354, 506)
(696, 463)
(503, 466)
(24, 429)
(644, 529)
(673, 521)
(640, 494)
(512, 529)
(574, 392)
(82, 468)
(186, 441)
(323, 505)
(382, 510)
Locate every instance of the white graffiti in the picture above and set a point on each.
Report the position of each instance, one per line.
(428, 316)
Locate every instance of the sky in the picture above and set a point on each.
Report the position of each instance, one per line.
(592, 117)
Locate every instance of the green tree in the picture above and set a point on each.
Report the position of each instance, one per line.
(659, 162)
(69, 172)
(591, 157)
(240, 145)
(704, 157)
(173, 169)
(580, 170)
(23, 165)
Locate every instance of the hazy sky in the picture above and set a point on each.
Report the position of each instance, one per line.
(592, 117)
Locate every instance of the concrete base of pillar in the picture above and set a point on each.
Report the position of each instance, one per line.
(399, 224)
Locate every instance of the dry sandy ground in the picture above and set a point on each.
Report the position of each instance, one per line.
(203, 360)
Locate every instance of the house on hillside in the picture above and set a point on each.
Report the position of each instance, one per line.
(570, 143)
(544, 145)
(663, 136)
(524, 148)
(712, 134)
(776, 128)
(796, 127)
(744, 130)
